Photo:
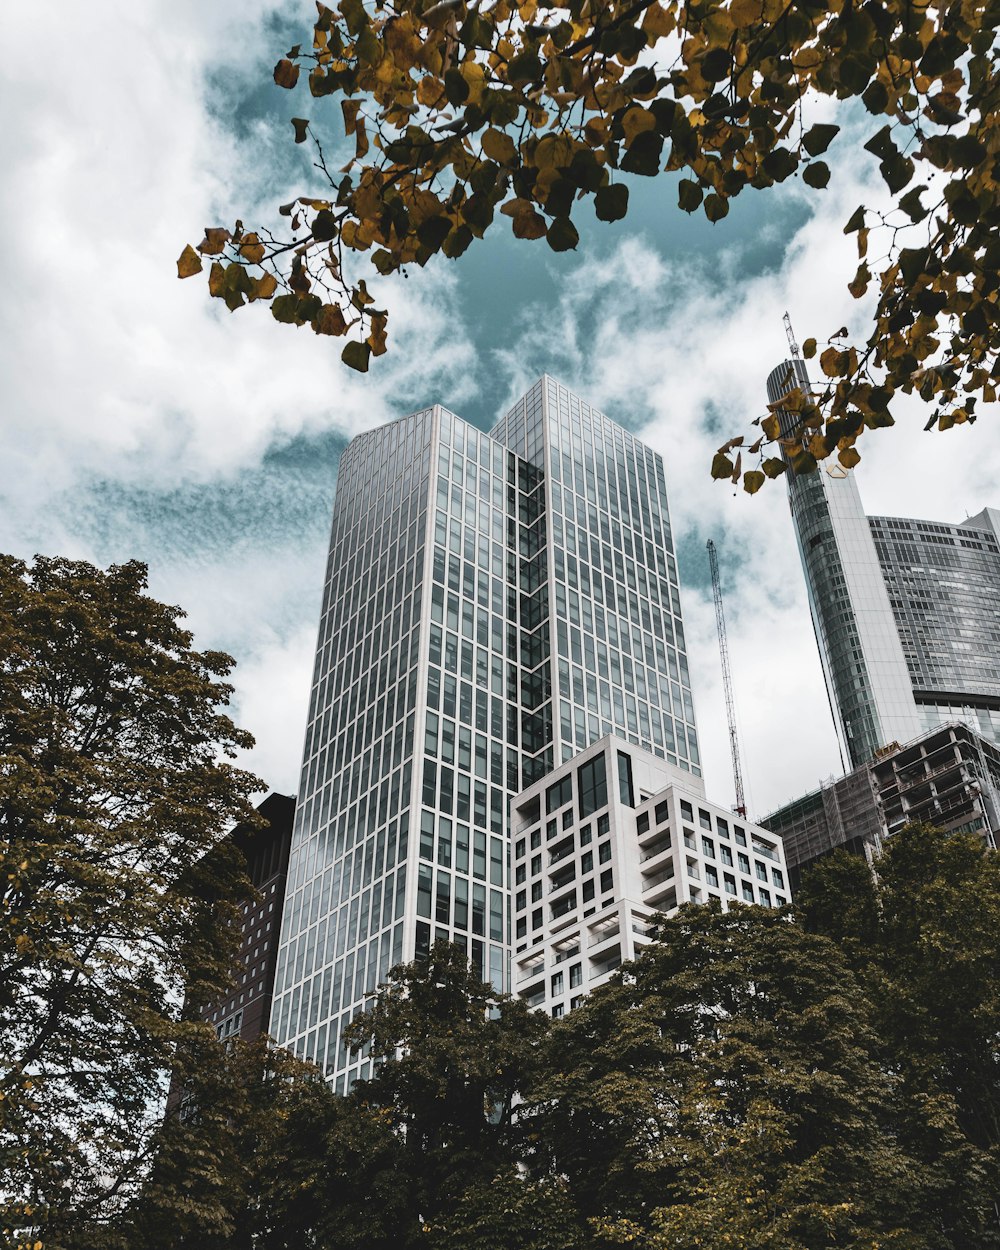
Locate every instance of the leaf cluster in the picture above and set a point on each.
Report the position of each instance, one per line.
(457, 112)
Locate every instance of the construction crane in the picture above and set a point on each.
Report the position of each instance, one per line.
(790, 334)
(727, 681)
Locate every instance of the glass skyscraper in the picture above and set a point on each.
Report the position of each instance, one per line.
(493, 604)
(906, 612)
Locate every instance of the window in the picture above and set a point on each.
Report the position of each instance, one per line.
(558, 794)
(642, 823)
(520, 900)
(761, 870)
(586, 862)
(748, 891)
(730, 883)
(593, 782)
(765, 898)
(607, 881)
(704, 819)
(536, 865)
(741, 837)
(519, 848)
(536, 891)
(625, 792)
(708, 847)
(711, 876)
(520, 874)
(575, 976)
(585, 835)
(686, 810)
(536, 839)
(722, 826)
(778, 878)
(603, 825)
(557, 984)
(726, 855)
(557, 1011)
(605, 852)
(744, 863)
(661, 813)
(588, 889)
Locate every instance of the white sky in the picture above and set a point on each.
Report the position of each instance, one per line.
(125, 390)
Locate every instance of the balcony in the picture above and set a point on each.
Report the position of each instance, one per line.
(607, 935)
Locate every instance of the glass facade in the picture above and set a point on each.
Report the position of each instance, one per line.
(906, 613)
(492, 604)
(944, 589)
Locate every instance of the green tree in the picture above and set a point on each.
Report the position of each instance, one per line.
(114, 783)
(453, 1057)
(263, 1153)
(931, 963)
(724, 1091)
(453, 112)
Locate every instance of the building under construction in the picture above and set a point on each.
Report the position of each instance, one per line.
(948, 777)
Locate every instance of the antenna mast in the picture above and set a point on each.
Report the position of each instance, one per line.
(793, 346)
(727, 681)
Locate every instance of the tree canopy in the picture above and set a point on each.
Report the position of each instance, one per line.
(114, 783)
(823, 1078)
(455, 112)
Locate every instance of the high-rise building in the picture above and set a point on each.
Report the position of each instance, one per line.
(493, 605)
(906, 612)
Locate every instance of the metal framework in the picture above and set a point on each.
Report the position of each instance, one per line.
(793, 346)
(727, 681)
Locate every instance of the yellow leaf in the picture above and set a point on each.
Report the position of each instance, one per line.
(350, 110)
(753, 480)
(722, 466)
(251, 249)
(376, 340)
(429, 91)
(214, 241)
(636, 121)
(848, 457)
(499, 147)
(286, 74)
(188, 263)
(264, 287)
(330, 320)
(658, 21)
(216, 279)
(770, 425)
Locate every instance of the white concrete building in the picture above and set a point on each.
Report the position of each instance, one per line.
(603, 844)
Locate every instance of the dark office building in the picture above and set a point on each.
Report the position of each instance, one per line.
(246, 1010)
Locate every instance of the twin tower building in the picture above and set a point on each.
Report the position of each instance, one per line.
(501, 747)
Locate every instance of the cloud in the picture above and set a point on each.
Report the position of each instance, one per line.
(115, 369)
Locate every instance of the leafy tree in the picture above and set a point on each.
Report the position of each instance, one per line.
(453, 1056)
(114, 783)
(932, 967)
(455, 111)
(265, 1154)
(724, 1091)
